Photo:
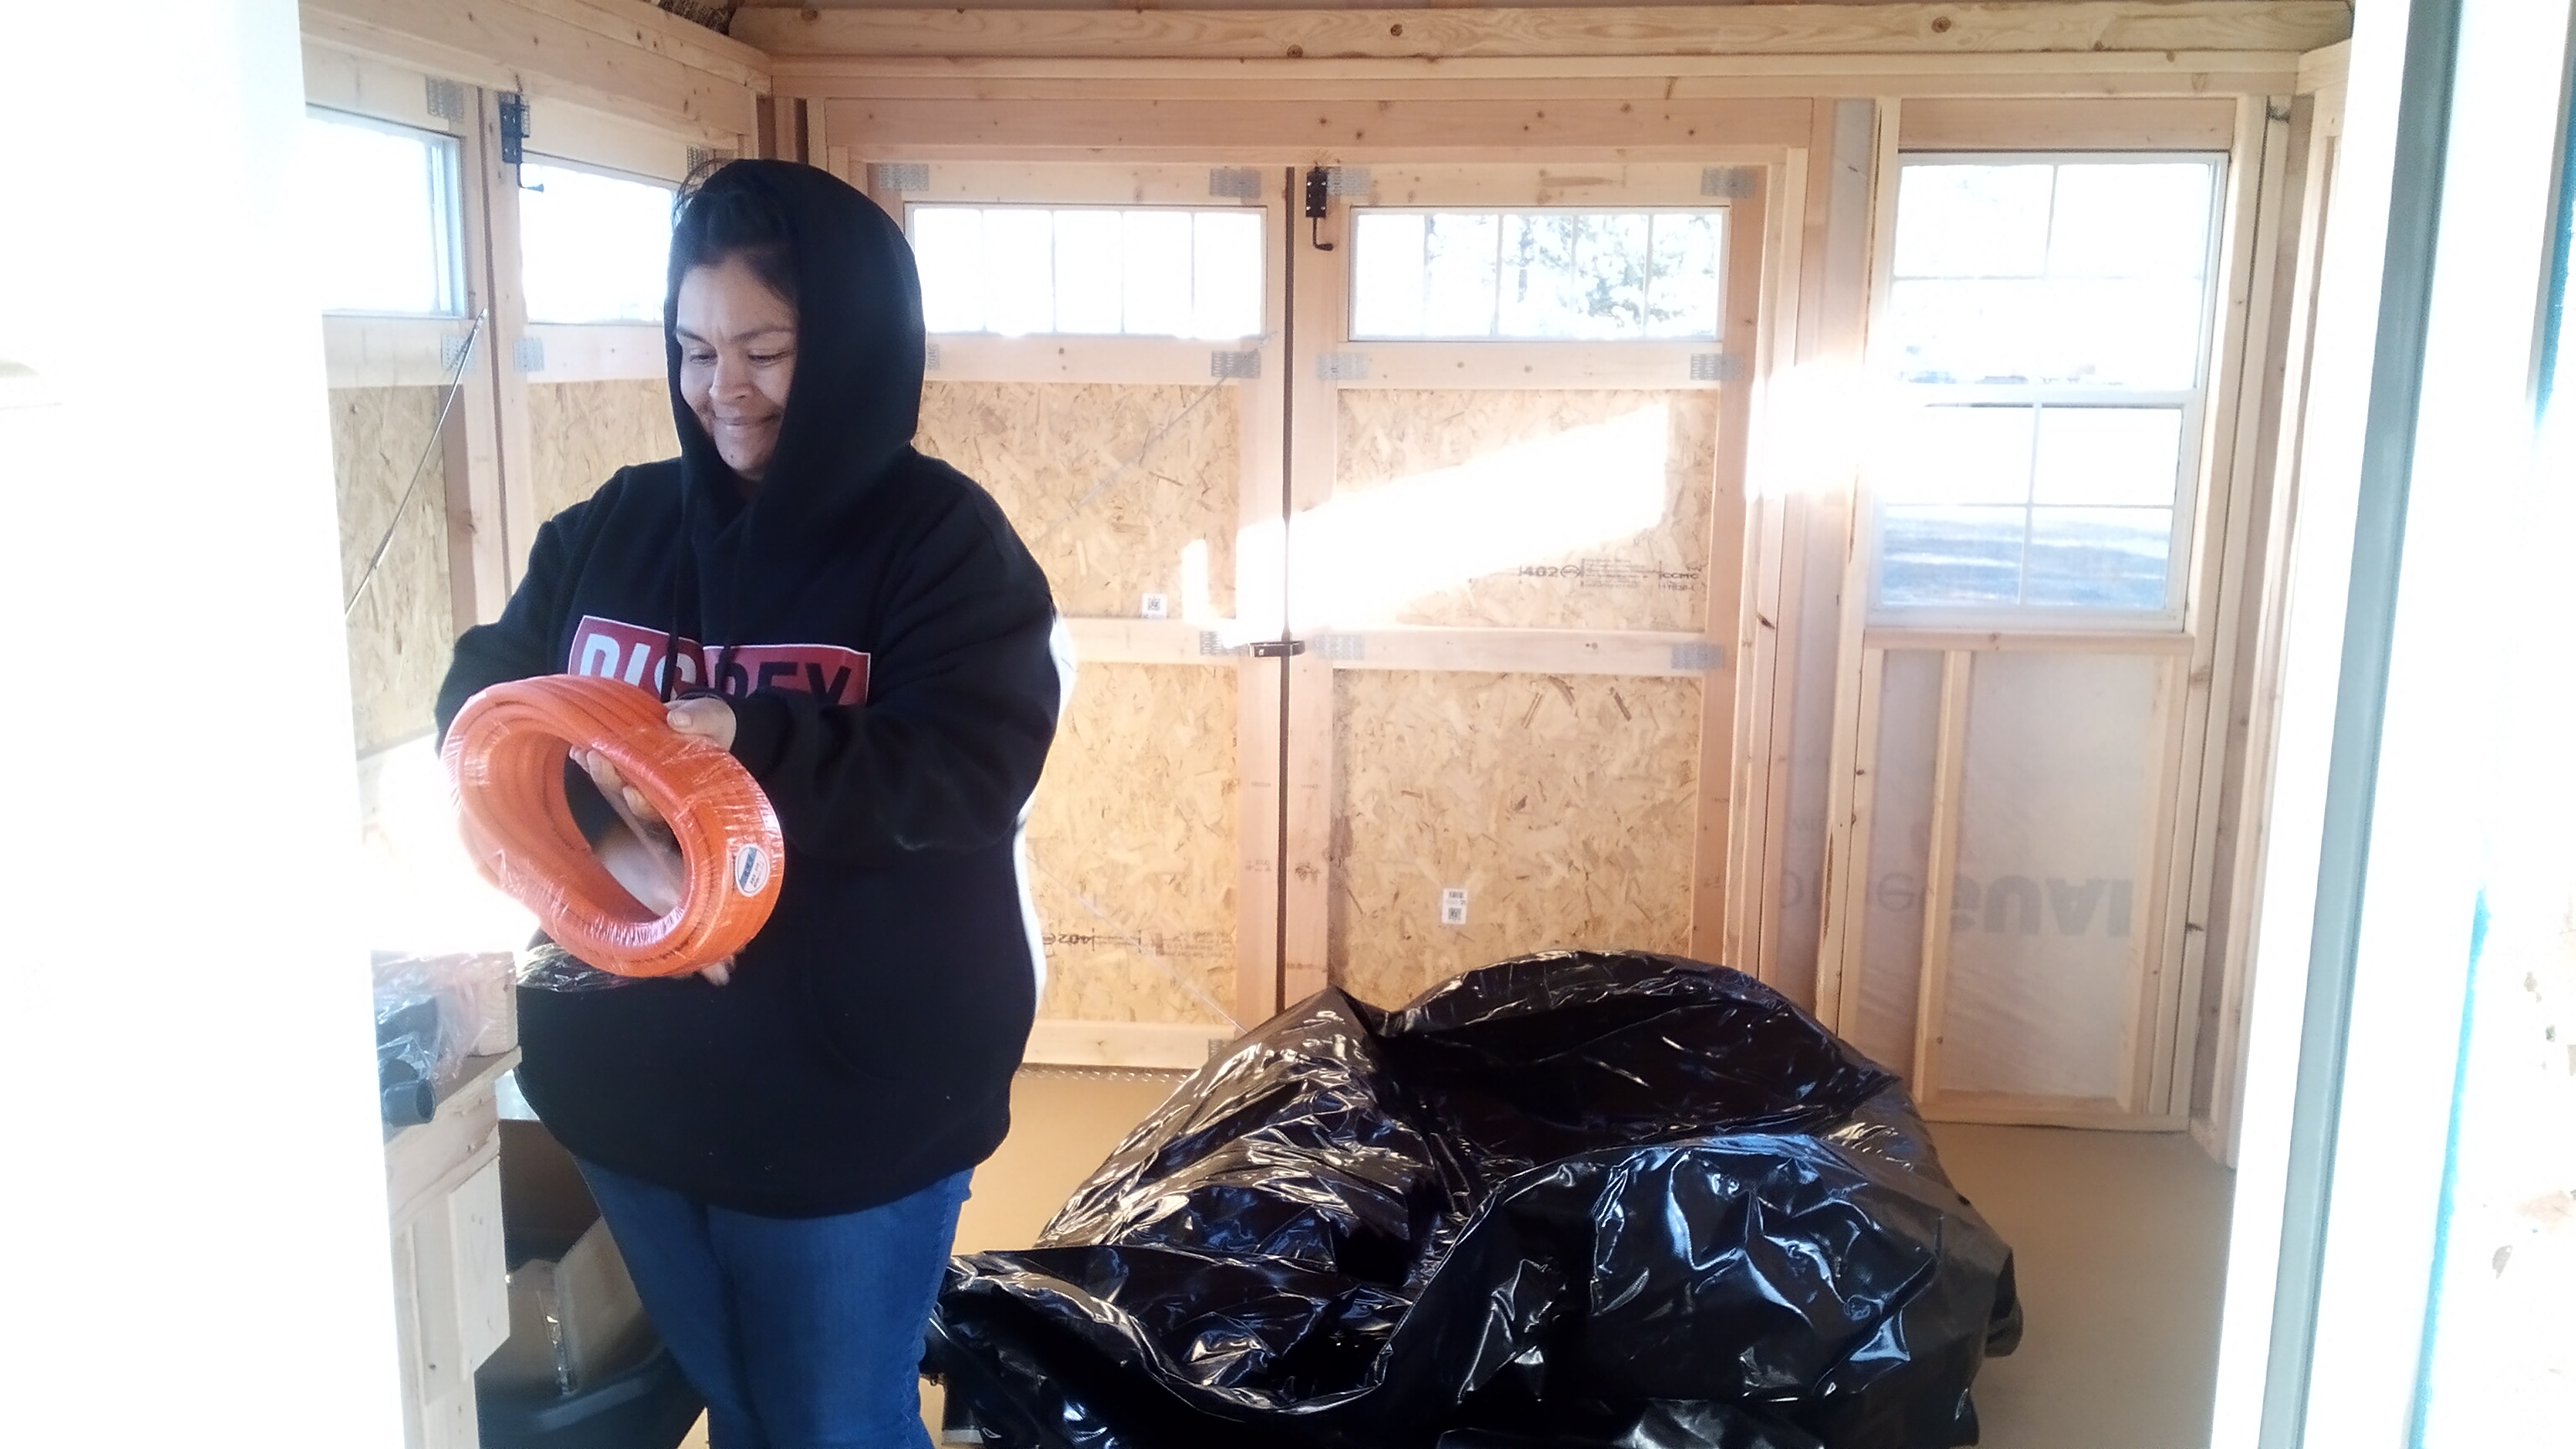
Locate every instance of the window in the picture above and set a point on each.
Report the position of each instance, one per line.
(1536, 275)
(592, 247)
(1090, 271)
(2047, 322)
(380, 216)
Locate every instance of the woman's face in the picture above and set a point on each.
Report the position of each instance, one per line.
(737, 352)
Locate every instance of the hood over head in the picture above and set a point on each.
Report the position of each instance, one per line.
(855, 400)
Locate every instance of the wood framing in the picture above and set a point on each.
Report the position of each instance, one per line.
(506, 305)
(2315, 132)
(1795, 494)
(479, 567)
(598, 352)
(1843, 886)
(1818, 99)
(1761, 261)
(1318, 301)
(2197, 668)
(1248, 130)
(2146, 123)
(2084, 26)
(2248, 359)
(1941, 874)
(1261, 988)
(1149, 1045)
(626, 57)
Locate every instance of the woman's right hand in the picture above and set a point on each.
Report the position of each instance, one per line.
(638, 851)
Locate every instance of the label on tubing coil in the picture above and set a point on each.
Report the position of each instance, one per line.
(505, 760)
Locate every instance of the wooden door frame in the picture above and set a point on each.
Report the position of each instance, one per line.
(1759, 257)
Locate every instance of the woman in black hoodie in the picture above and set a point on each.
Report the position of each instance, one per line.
(781, 1149)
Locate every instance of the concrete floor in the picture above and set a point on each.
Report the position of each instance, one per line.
(2119, 1243)
(2120, 1250)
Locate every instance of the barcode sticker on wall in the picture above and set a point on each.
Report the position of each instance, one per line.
(1453, 906)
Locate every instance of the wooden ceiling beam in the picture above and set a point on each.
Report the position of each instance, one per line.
(2021, 27)
(1666, 77)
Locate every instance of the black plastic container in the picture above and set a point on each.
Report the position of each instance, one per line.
(649, 1406)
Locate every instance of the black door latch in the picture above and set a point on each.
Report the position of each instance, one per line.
(1319, 187)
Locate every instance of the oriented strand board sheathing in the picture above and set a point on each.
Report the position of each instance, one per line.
(1110, 485)
(1532, 509)
(403, 628)
(1132, 846)
(581, 432)
(1563, 804)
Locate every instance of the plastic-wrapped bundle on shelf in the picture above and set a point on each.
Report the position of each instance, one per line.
(1572, 1199)
(433, 1012)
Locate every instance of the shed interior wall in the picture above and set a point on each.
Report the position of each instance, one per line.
(1595, 88)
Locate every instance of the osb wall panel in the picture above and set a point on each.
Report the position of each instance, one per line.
(1132, 846)
(581, 432)
(402, 630)
(1563, 804)
(1574, 510)
(1109, 484)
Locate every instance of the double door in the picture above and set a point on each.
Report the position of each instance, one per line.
(1397, 545)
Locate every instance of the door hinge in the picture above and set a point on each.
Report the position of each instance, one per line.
(514, 127)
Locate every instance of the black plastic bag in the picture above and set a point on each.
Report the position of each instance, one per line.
(1579, 1198)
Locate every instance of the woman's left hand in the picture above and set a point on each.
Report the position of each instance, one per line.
(706, 716)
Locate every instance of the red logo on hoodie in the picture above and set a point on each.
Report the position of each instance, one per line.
(609, 649)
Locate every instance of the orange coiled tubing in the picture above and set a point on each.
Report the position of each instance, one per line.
(505, 761)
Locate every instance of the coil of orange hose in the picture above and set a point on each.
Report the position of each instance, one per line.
(505, 760)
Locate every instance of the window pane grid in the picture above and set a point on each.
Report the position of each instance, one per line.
(381, 215)
(592, 247)
(1018, 271)
(1536, 274)
(2047, 321)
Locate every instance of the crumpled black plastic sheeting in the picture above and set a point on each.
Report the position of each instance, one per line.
(1579, 1198)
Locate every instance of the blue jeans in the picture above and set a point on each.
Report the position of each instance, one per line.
(802, 1333)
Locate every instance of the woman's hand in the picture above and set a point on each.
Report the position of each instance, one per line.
(639, 852)
(705, 716)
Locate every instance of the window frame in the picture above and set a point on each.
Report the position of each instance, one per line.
(447, 204)
(2191, 475)
(612, 173)
(1714, 337)
(1261, 257)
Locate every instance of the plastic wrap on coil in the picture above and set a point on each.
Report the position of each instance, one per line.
(546, 966)
(1571, 1199)
(506, 753)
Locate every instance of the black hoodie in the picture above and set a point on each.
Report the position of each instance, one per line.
(885, 641)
